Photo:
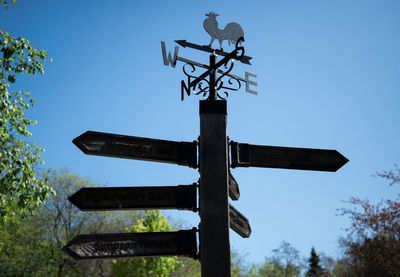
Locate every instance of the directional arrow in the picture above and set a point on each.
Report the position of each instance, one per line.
(120, 146)
(207, 67)
(234, 192)
(239, 223)
(245, 155)
(135, 198)
(184, 43)
(101, 246)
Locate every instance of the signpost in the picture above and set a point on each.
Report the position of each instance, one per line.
(234, 192)
(103, 246)
(239, 223)
(245, 155)
(216, 182)
(137, 148)
(135, 198)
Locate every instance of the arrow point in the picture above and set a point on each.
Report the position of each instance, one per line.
(68, 251)
(74, 199)
(78, 141)
(342, 160)
(181, 43)
(246, 60)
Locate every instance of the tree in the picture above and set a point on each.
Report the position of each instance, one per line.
(148, 267)
(192, 268)
(285, 262)
(32, 246)
(5, 3)
(372, 247)
(289, 257)
(20, 188)
(314, 269)
(22, 247)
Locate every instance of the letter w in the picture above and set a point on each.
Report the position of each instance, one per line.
(168, 59)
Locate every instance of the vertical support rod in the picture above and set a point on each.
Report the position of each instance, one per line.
(213, 95)
(214, 207)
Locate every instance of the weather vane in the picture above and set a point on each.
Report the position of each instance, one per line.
(218, 79)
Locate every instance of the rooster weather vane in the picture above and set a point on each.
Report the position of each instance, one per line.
(219, 81)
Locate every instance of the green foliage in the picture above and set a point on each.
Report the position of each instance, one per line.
(20, 187)
(148, 267)
(285, 262)
(33, 246)
(192, 268)
(22, 248)
(273, 268)
(189, 268)
(5, 3)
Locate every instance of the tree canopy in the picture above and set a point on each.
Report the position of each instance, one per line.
(148, 267)
(20, 188)
(372, 247)
(32, 246)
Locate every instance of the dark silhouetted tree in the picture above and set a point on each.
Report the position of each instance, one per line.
(314, 269)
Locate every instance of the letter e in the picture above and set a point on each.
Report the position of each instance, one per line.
(249, 82)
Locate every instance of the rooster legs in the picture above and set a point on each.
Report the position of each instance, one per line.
(211, 42)
(220, 44)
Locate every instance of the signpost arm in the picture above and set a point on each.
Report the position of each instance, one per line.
(214, 206)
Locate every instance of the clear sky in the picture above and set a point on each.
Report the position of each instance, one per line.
(328, 77)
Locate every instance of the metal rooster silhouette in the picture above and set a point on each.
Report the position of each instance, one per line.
(232, 31)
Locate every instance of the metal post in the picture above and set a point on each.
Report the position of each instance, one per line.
(214, 209)
(212, 95)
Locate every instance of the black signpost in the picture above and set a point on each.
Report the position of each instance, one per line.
(234, 192)
(239, 223)
(137, 148)
(245, 155)
(210, 154)
(125, 245)
(136, 198)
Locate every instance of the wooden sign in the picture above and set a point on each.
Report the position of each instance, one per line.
(239, 223)
(129, 147)
(234, 192)
(245, 155)
(135, 198)
(101, 246)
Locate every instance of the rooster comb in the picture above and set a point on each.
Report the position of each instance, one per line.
(212, 14)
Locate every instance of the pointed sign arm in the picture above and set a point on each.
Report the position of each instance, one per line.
(239, 223)
(234, 192)
(138, 148)
(245, 155)
(125, 245)
(182, 197)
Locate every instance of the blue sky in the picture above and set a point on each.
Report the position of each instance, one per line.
(328, 77)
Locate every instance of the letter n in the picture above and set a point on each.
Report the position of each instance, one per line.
(168, 59)
(185, 88)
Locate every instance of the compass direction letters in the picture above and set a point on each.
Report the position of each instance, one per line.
(168, 58)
